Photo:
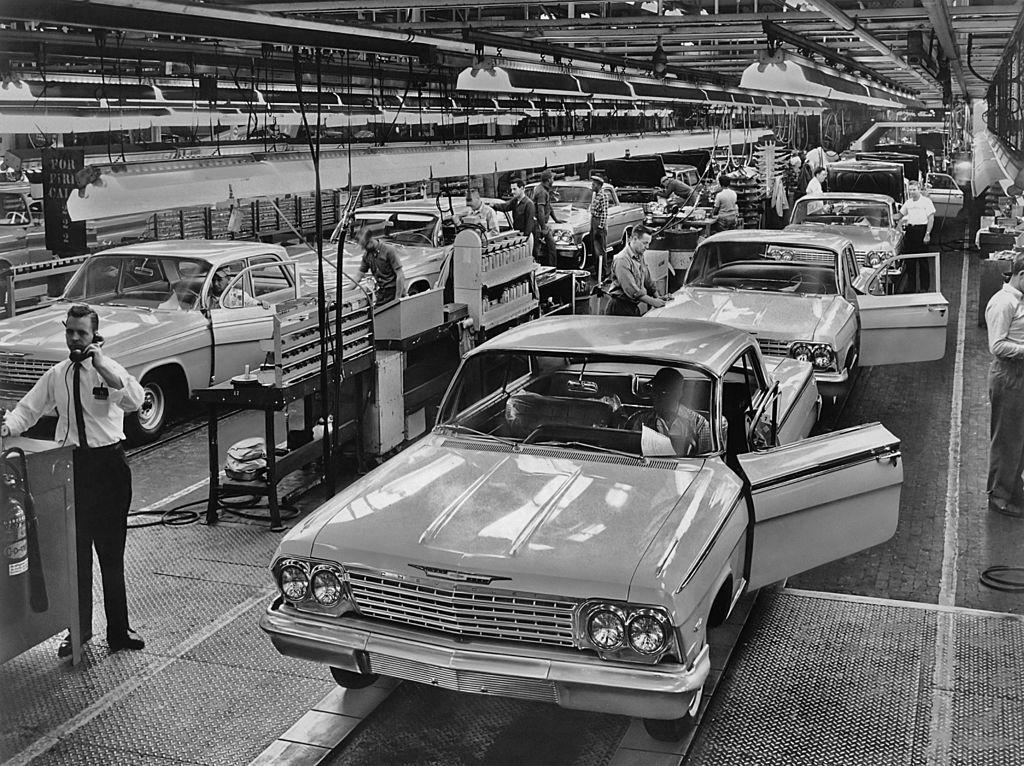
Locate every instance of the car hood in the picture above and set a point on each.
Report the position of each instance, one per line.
(571, 217)
(777, 315)
(41, 332)
(864, 238)
(578, 524)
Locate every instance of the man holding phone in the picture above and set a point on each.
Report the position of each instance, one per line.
(91, 392)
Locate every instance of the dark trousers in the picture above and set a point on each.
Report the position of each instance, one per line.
(621, 307)
(599, 246)
(544, 251)
(918, 270)
(1006, 447)
(103, 495)
(725, 224)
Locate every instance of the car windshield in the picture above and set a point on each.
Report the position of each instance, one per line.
(764, 266)
(583, 401)
(139, 280)
(841, 212)
(579, 196)
(13, 210)
(396, 226)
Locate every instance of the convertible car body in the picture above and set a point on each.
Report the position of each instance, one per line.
(803, 294)
(551, 540)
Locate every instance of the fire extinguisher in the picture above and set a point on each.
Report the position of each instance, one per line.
(22, 583)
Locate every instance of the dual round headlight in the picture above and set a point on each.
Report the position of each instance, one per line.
(325, 585)
(801, 351)
(875, 257)
(820, 355)
(644, 631)
(563, 236)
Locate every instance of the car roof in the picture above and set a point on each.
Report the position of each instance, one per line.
(850, 196)
(420, 205)
(814, 238)
(708, 345)
(864, 165)
(215, 251)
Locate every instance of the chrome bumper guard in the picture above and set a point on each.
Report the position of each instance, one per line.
(650, 691)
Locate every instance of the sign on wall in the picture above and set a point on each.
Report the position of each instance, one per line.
(63, 236)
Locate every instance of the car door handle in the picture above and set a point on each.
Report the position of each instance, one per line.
(937, 307)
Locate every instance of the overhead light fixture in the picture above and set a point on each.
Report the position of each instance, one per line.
(659, 60)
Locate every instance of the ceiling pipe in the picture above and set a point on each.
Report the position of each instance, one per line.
(938, 14)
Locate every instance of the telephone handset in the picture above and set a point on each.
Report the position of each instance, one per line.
(80, 355)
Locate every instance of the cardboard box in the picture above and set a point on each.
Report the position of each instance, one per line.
(409, 316)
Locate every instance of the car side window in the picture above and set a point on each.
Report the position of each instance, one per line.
(268, 275)
(742, 390)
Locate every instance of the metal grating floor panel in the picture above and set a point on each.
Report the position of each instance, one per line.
(419, 725)
(179, 718)
(816, 681)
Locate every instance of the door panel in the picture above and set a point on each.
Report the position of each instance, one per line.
(821, 499)
(901, 327)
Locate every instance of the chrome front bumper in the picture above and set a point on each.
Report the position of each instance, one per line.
(585, 683)
(832, 383)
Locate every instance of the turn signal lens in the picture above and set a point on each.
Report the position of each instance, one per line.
(647, 634)
(606, 630)
(326, 587)
(294, 583)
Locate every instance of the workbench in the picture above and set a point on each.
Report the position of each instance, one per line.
(270, 400)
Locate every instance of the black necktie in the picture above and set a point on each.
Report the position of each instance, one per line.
(79, 410)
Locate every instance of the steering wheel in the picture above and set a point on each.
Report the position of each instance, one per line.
(795, 283)
(478, 228)
(16, 216)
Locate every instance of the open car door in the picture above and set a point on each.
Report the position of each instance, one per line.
(898, 322)
(947, 197)
(821, 499)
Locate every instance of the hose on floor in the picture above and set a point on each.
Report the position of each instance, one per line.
(180, 516)
(1004, 578)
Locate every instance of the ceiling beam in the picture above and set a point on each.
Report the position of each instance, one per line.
(938, 14)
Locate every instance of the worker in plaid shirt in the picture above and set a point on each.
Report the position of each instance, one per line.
(599, 221)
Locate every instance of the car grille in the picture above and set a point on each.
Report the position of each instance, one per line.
(464, 680)
(464, 610)
(21, 372)
(771, 347)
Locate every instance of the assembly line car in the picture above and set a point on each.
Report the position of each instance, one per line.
(542, 542)
(420, 231)
(867, 220)
(804, 296)
(572, 233)
(162, 318)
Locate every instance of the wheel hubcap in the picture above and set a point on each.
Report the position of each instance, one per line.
(152, 410)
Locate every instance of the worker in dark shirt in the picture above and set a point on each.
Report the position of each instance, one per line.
(524, 217)
(381, 260)
(674, 191)
(544, 251)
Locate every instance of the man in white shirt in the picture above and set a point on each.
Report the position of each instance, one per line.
(91, 392)
(479, 213)
(814, 186)
(1004, 316)
(918, 215)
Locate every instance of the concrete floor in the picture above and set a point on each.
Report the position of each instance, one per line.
(814, 673)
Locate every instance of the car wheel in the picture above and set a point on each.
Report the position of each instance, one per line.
(349, 680)
(584, 255)
(146, 425)
(675, 729)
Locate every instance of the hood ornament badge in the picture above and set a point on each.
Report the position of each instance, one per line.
(456, 576)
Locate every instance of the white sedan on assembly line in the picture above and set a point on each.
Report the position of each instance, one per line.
(597, 493)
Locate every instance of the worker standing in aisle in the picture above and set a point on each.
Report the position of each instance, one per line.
(632, 285)
(1004, 316)
(381, 260)
(918, 214)
(524, 216)
(599, 222)
(91, 392)
(544, 251)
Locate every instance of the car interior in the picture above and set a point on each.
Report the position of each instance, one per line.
(141, 280)
(596, 404)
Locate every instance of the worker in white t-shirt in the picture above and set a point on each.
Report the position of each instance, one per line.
(814, 186)
(918, 216)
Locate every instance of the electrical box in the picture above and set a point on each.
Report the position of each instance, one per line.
(385, 424)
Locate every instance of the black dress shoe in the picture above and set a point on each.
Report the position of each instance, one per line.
(65, 650)
(1008, 509)
(130, 641)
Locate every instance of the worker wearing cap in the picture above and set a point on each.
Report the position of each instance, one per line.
(598, 220)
